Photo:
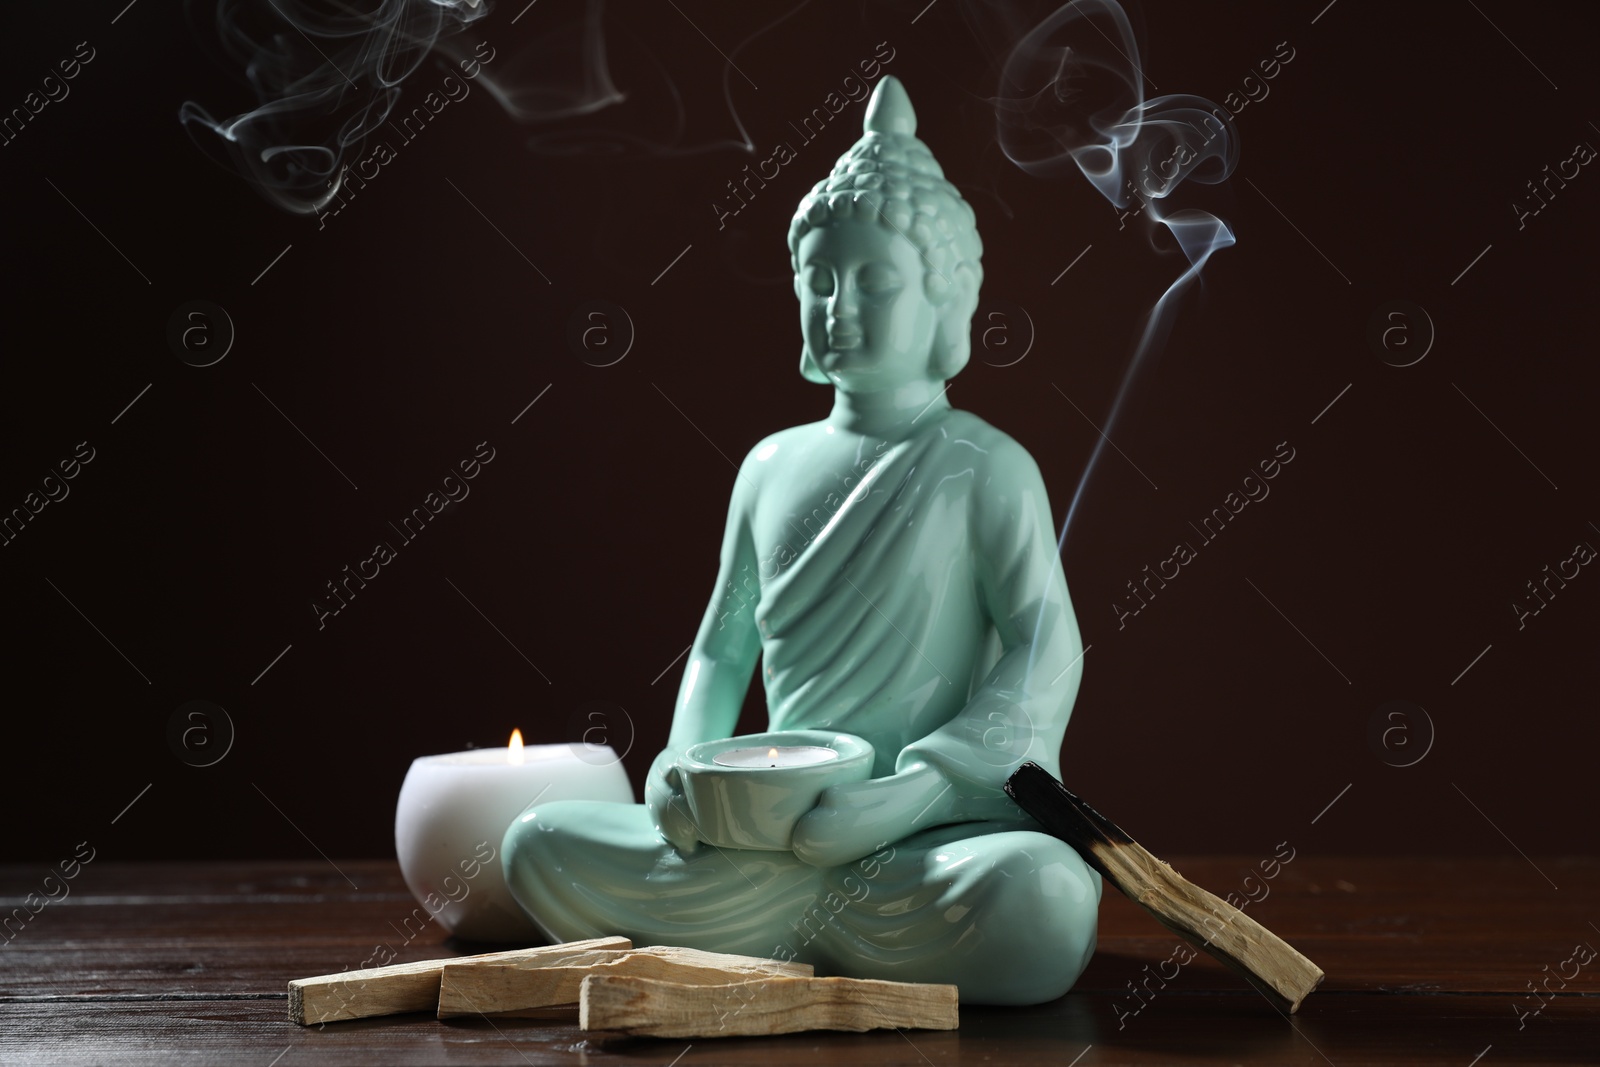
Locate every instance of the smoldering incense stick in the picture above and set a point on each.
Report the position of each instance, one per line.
(1266, 961)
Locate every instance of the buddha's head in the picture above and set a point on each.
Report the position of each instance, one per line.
(885, 254)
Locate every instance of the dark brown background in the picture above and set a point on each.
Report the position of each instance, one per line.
(408, 330)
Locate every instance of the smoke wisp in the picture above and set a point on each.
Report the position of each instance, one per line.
(1071, 100)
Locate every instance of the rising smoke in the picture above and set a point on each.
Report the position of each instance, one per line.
(1071, 100)
(327, 75)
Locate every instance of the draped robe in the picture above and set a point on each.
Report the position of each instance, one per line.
(920, 605)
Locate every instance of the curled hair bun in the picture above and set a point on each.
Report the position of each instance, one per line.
(890, 176)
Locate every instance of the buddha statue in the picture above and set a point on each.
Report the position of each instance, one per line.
(894, 568)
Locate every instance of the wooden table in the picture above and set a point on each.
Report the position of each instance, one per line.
(1428, 961)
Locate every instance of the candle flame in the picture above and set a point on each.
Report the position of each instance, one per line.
(772, 754)
(514, 747)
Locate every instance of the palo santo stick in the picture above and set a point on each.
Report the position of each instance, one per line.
(408, 986)
(516, 990)
(480, 987)
(646, 1007)
(1262, 958)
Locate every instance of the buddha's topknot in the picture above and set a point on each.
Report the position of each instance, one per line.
(890, 176)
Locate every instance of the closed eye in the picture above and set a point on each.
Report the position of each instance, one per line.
(878, 278)
(819, 280)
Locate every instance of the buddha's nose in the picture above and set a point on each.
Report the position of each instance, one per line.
(844, 327)
(842, 306)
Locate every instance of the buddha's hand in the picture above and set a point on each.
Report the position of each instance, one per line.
(669, 810)
(855, 820)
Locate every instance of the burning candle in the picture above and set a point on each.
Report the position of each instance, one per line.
(748, 792)
(454, 809)
(775, 756)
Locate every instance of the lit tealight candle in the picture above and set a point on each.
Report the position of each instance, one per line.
(749, 791)
(454, 809)
(781, 756)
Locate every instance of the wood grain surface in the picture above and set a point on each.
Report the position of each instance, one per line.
(1428, 960)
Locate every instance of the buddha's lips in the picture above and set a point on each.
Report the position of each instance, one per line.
(844, 339)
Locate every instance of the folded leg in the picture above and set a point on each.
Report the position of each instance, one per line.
(1007, 914)
(589, 869)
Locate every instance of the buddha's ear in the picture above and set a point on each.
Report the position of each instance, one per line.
(809, 369)
(952, 340)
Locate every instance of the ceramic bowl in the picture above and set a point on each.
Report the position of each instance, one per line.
(757, 806)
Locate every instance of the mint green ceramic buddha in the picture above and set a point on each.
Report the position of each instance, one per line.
(894, 568)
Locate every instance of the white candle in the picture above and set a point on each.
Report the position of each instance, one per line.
(781, 756)
(454, 809)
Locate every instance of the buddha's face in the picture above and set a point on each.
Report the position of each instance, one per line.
(864, 310)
